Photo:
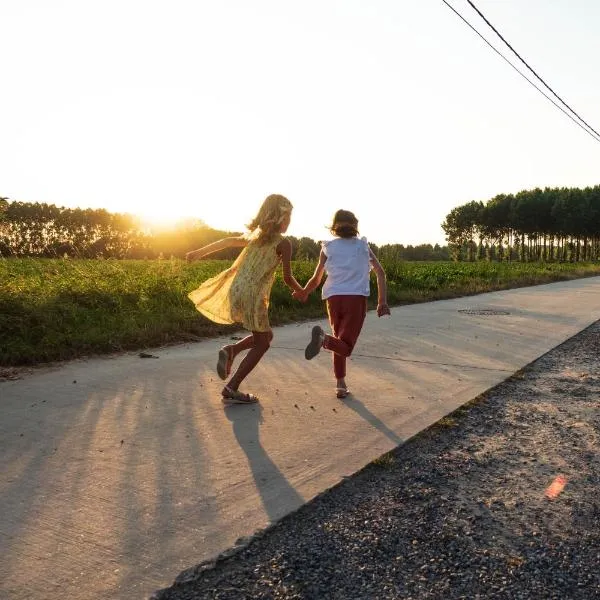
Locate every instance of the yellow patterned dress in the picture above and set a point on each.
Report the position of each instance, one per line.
(241, 293)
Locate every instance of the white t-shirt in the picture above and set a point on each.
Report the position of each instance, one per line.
(347, 267)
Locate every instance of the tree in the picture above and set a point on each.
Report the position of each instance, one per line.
(307, 249)
(461, 225)
(531, 222)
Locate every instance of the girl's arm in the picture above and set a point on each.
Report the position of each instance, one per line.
(215, 247)
(382, 305)
(315, 281)
(284, 249)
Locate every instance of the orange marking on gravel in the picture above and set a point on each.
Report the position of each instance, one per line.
(556, 487)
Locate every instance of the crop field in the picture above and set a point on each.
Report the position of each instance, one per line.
(57, 309)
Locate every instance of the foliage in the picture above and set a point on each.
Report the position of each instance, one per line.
(561, 224)
(398, 252)
(45, 230)
(3, 207)
(54, 309)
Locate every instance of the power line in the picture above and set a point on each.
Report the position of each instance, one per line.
(595, 137)
(525, 63)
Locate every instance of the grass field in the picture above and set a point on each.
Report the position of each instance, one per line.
(54, 309)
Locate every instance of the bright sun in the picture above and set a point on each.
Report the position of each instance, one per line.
(160, 219)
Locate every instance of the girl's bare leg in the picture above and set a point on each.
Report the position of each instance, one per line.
(259, 343)
(228, 353)
(244, 344)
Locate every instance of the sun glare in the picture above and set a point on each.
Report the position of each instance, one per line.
(161, 220)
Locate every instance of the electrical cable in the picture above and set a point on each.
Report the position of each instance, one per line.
(593, 135)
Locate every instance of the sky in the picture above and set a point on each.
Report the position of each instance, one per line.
(393, 109)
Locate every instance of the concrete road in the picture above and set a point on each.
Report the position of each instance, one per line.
(120, 472)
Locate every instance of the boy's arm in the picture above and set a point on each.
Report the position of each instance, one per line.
(215, 247)
(284, 249)
(315, 281)
(382, 305)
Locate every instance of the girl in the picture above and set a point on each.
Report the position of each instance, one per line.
(241, 293)
(347, 261)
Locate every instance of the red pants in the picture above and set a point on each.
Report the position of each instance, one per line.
(346, 317)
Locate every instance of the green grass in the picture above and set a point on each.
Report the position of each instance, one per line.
(54, 309)
(386, 461)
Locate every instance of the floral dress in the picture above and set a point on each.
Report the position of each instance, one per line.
(241, 293)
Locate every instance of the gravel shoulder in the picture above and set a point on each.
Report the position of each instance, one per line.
(458, 511)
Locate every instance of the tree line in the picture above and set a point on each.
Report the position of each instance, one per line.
(46, 230)
(553, 224)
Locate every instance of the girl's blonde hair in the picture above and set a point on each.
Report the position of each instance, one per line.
(271, 214)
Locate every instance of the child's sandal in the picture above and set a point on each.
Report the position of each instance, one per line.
(341, 392)
(316, 343)
(236, 397)
(224, 362)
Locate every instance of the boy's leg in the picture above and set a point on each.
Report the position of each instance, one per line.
(339, 349)
(347, 315)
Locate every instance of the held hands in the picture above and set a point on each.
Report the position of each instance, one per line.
(300, 295)
(383, 309)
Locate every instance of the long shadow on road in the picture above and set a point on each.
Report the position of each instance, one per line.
(359, 408)
(277, 494)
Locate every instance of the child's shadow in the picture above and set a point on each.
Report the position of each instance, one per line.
(357, 406)
(277, 495)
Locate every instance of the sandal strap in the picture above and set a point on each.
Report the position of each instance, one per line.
(229, 394)
(225, 362)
